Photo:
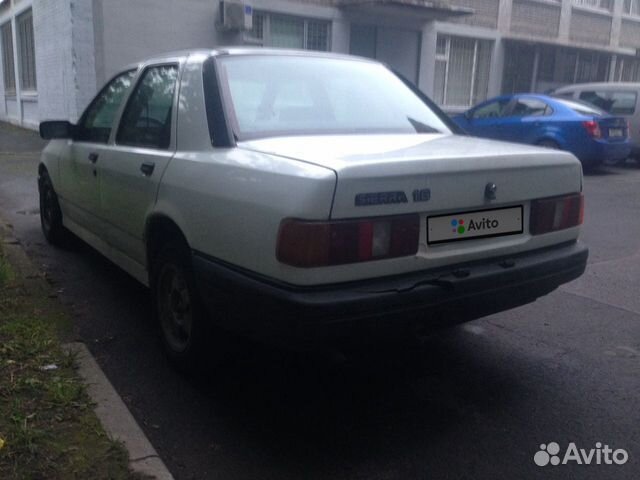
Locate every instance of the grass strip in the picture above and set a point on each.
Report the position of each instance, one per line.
(48, 429)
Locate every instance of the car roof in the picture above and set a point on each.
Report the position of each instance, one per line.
(239, 51)
(602, 85)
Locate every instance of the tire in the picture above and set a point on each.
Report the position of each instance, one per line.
(179, 311)
(50, 213)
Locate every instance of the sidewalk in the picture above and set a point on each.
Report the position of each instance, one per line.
(63, 418)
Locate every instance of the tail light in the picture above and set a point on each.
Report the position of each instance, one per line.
(308, 244)
(556, 213)
(592, 128)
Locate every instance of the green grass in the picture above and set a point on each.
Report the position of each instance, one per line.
(48, 429)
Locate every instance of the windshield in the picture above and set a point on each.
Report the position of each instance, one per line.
(296, 95)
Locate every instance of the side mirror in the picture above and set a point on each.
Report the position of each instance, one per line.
(54, 129)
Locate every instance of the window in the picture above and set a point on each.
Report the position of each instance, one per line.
(530, 107)
(300, 95)
(599, 4)
(581, 107)
(627, 70)
(461, 71)
(616, 103)
(8, 69)
(97, 120)
(556, 66)
(631, 7)
(24, 25)
(491, 110)
(286, 31)
(146, 121)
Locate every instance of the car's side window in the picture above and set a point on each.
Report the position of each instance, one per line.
(146, 121)
(530, 107)
(96, 122)
(491, 110)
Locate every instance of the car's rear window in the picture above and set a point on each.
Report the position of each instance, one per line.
(616, 103)
(581, 107)
(294, 95)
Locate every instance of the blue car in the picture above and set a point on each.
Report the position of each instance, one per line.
(591, 134)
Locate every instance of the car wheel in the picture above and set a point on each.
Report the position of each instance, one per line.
(50, 213)
(549, 144)
(179, 310)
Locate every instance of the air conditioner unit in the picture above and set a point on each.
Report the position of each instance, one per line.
(236, 16)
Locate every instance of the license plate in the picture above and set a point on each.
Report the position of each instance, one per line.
(455, 227)
(615, 132)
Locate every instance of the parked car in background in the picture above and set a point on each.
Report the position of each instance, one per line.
(291, 193)
(588, 132)
(620, 98)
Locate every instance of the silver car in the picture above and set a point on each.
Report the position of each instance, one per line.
(286, 193)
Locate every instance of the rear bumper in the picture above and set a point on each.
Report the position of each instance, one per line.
(598, 151)
(444, 296)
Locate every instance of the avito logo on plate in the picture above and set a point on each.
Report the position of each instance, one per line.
(467, 225)
(483, 224)
(549, 454)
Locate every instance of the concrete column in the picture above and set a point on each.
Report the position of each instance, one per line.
(565, 21)
(427, 59)
(340, 35)
(616, 23)
(16, 68)
(497, 67)
(612, 68)
(504, 15)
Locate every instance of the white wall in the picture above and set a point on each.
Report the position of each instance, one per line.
(52, 35)
(128, 32)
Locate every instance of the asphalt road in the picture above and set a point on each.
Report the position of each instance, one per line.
(473, 402)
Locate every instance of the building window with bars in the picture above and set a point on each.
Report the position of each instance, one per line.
(627, 70)
(284, 31)
(24, 26)
(461, 71)
(631, 7)
(9, 74)
(597, 4)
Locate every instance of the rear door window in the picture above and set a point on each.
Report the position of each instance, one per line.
(616, 103)
(530, 107)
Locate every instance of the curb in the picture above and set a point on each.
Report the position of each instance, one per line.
(116, 417)
(110, 409)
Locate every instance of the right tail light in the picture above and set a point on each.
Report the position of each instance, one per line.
(556, 213)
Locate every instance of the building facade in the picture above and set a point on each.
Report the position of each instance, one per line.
(56, 53)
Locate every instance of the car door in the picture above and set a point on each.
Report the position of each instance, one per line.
(141, 150)
(486, 120)
(79, 182)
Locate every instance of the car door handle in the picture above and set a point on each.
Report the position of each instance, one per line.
(93, 157)
(147, 168)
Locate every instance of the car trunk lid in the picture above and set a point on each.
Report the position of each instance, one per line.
(613, 129)
(428, 173)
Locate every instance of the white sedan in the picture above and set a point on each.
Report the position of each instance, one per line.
(292, 193)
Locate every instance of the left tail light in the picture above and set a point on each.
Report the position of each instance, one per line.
(592, 128)
(309, 244)
(556, 213)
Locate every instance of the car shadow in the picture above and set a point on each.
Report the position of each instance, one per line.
(268, 412)
(602, 170)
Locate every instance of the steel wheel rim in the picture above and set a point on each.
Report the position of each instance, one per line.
(175, 308)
